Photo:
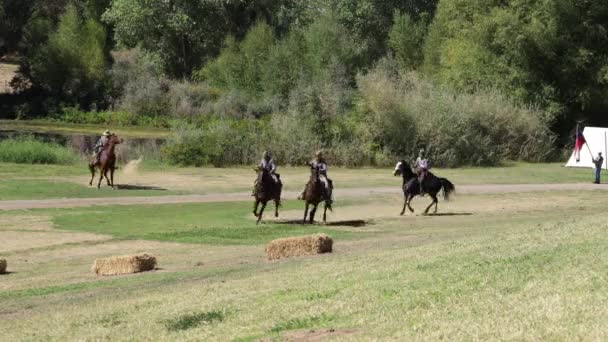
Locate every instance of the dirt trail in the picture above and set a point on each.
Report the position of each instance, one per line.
(246, 196)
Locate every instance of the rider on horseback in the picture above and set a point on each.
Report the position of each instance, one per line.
(320, 164)
(422, 168)
(267, 163)
(101, 142)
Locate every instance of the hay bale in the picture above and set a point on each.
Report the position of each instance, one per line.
(124, 264)
(2, 266)
(298, 246)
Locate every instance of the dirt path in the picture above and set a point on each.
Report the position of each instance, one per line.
(245, 196)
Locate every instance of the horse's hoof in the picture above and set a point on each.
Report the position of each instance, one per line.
(401, 214)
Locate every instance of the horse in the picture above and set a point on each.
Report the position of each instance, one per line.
(411, 186)
(107, 162)
(315, 194)
(266, 189)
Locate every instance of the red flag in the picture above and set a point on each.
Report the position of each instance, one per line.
(578, 143)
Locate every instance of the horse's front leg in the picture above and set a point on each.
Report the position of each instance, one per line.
(112, 176)
(305, 212)
(255, 207)
(409, 203)
(261, 212)
(92, 175)
(404, 205)
(313, 211)
(100, 178)
(105, 174)
(325, 212)
(276, 207)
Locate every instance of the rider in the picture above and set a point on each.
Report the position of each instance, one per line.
(101, 142)
(422, 168)
(267, 163)
(320, 163)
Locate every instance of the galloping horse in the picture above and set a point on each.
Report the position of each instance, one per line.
(107, 162)
(411, 187)
(315, 194)
(267, 189)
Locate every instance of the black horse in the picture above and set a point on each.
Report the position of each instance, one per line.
(266, 189)
(411, 187)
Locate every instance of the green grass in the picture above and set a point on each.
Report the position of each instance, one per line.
(532, 273)
(45, 126)
(32, 151)
(229, 223)
(192, 320)
(20, 189)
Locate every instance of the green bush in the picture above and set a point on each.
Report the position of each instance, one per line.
(405, 112)
(111, 118)
(31, 151)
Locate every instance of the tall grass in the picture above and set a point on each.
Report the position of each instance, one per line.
(31, 151)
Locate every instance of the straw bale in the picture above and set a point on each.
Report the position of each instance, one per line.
(2, 266)
(124, 264)
(298, 246)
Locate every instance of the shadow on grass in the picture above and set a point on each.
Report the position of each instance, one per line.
(138, 187)
(347, 223)
(450, 214)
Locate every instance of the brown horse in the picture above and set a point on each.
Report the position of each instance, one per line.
(107, 162)
(266, 189)
(315, 194)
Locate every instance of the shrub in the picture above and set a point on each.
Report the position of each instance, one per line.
(405, 112)
(31, 151)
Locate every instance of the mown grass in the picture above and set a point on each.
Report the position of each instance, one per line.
(19, 189)
(46, 126)
(539, 277)
(229, 223)
(534, 273)
(25, 181)
(32, 151)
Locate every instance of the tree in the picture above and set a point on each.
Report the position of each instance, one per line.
(71, 64)
(406, 40)
(553, 52)
(184, 33)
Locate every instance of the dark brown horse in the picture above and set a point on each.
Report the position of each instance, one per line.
(107, 162)
(411, 187)
(316, 193)
(267, 189)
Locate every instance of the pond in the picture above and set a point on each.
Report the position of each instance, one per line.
(131, 148)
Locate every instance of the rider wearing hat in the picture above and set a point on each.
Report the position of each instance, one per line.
(267, 163)
(422, 168)
(320, 164)
(101, 142)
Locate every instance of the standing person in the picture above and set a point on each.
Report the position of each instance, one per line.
(599, 161)
(101, 142)
(422, 167)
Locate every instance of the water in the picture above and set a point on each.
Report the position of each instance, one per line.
(131, 148)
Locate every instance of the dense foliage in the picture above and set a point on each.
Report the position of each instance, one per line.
(474, 82)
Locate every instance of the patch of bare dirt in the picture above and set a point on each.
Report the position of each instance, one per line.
(25, 222)
(12, 241)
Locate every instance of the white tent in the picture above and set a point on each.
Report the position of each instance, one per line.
(596, 141)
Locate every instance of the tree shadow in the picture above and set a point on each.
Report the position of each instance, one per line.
(138, 187)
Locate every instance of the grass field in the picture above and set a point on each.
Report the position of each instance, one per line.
(529, 266)
(21, 181)
(45, 126)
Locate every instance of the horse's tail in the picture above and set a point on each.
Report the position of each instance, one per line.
(448, 188)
